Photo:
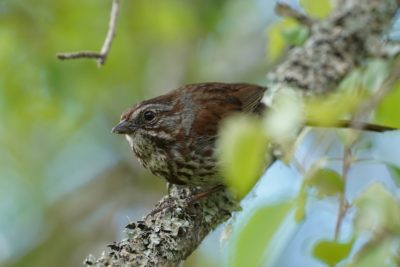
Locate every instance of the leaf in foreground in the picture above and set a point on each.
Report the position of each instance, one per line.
(255, 237)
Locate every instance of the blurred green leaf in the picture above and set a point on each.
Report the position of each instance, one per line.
(395, 171)
(296, 35)
(377, 210)
(387, 112)
(318, 9)
(352, 81)
(327, 182)
(375, 73)
(276, 40)
(380, 253)
(332, 252)
(257, 234)
(331, 108)
(284, 121)
(242, 149)
(368, 78)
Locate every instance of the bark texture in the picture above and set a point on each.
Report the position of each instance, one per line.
(174, 229)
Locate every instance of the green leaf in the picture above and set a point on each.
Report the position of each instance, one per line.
(285, 120)
(255, 237)
(332, 252)
(327, 182)
(296, 35)
(380, 253)
(276, 40)
(377, 210)
(330, 109)
(352, 81)
(395, 171)
(388, 110)
(318, 9)
(242, 146)
(375, 74)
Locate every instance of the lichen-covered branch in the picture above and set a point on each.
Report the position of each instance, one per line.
(337, 45)
(171, 232)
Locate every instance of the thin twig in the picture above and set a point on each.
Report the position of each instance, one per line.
(80, 54)
(285, 10)
(349, 125)
(357, 123)
(111, 31)
(343, 203)
(102, 56)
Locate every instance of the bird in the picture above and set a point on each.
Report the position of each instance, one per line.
(174, 135)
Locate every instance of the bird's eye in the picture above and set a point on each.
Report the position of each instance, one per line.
(149, 115)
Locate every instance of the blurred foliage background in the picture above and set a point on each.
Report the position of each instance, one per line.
(68, 186)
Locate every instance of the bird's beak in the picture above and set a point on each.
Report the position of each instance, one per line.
(123, 127)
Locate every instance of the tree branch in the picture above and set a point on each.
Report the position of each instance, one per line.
(335, 47)
(102, 55)
(171, 232)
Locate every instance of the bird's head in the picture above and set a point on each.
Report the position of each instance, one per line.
(153, 119)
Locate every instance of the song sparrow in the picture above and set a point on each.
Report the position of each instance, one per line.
(174, 135)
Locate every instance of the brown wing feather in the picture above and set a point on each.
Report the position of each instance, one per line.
(250, 95)
(218, 100)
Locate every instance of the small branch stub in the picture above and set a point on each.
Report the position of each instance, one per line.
(80, 54)
(285, 10)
